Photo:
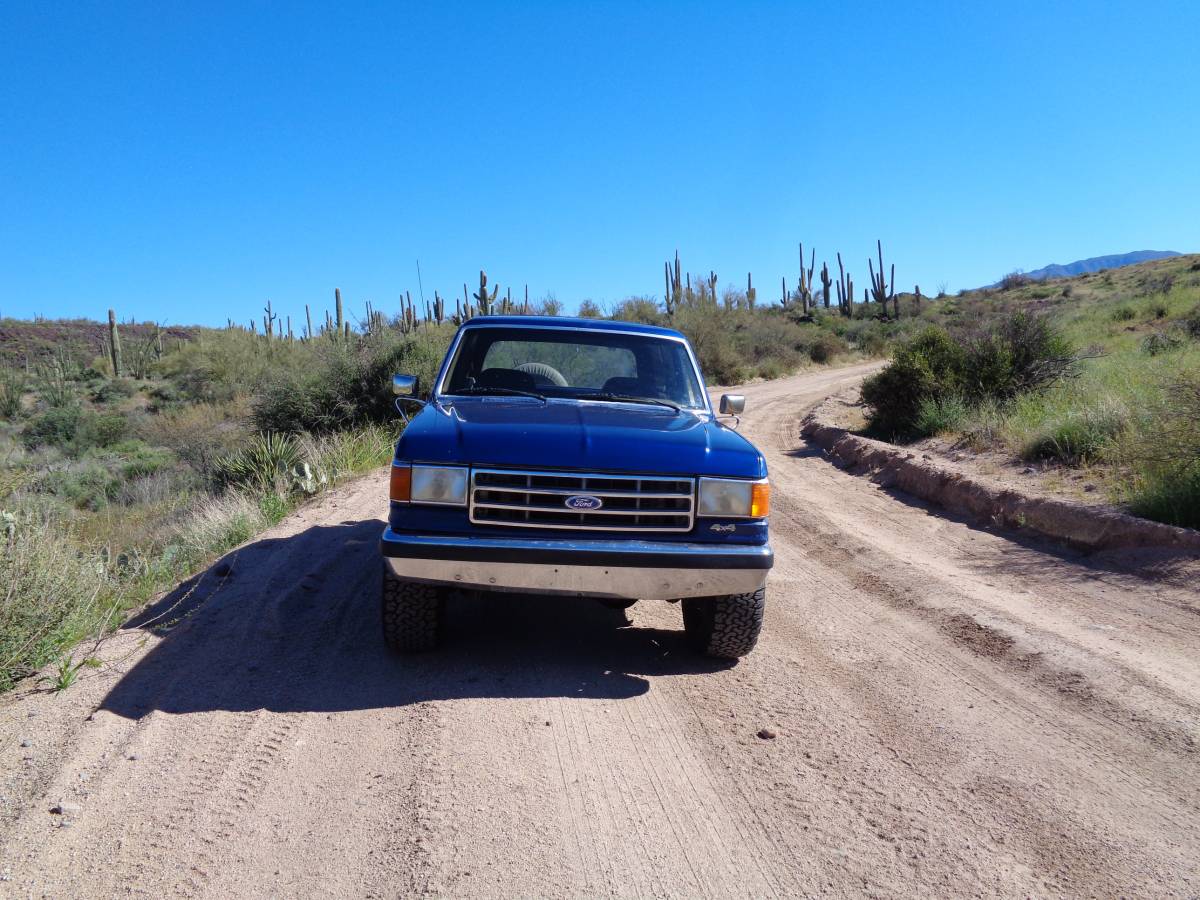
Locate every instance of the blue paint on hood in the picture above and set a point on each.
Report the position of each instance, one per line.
(570, 434)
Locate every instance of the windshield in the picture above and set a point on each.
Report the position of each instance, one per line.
(552, 362)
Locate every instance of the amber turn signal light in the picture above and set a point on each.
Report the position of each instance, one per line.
(760, 500)
(401, 486)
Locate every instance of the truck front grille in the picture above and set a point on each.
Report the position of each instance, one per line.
(526, 499)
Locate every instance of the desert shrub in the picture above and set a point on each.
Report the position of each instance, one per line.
(86, 485)
(638, 309)
(332, 457)
(938, 415)
(1124, 314)
(1020, 353)
(1162, 456)
(12, 390)
(1014, 280)
(1191, 323)
(269, 463)
(590, 309)
(347, 386)
(771, 368)
(1170, 496)
(199, 434)
(1082, 436)
(164, 395)
(1160, 342)
(53, 595)
(1156, 309)
(54, 427)
(928, 365)
(826, 347)
(135, 460)
(873, 343)
(99, 430)
(113, 389)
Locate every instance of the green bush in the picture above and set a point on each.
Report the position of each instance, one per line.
(1171, 497)
(1124, 314)
(12, 390)
(1081, 437)
(1163, 456)
(55, 427)
(114, 389)
(1021, 353)
(1191, 324)
(347, 386)
(101, 430)
(1160, 342)
(826, 347)
(88, 485)
(54, 594)
(268, 464)
(928, 365)
(938, 415)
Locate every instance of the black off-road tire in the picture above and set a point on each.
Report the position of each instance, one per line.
(412, 614)
(725, 627)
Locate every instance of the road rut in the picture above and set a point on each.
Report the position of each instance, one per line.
(956, 711)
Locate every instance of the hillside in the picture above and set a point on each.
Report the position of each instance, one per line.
(1088, 386)
(1099, 263)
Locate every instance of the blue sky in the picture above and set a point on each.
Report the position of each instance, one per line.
(186, 163)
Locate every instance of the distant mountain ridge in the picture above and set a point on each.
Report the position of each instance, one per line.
(1096, 263)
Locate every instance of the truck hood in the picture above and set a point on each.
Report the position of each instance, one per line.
(567, 434)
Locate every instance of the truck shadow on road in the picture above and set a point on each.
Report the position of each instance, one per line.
(292, 625)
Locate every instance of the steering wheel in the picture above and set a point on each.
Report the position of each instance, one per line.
(542, 371)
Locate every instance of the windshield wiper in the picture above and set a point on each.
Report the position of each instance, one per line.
(626, 398)
(499, 392)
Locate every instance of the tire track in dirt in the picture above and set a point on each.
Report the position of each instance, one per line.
(955, 712)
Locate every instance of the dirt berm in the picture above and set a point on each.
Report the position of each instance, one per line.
(1080, 525)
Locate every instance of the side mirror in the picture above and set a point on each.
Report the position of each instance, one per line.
(733, 404)
(404, 385)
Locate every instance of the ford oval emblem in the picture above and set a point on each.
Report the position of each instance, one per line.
(583, 502)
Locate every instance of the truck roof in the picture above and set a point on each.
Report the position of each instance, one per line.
(569, 322)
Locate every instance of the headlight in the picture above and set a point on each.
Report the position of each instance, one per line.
(439, 484)
(727, 498)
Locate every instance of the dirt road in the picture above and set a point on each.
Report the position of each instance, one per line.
(956, 712)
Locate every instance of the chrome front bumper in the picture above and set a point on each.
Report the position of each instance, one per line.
(634, 569)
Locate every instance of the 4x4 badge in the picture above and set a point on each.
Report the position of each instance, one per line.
(723, 529)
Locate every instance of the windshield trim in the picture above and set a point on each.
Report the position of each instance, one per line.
(444, 371)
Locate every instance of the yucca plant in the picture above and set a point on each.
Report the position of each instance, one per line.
(267, 461)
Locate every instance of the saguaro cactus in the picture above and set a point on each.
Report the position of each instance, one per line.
(880, 290)
(750, 295)
(845, 290)
(269, 318)
(826, 281)
(340, 320)
(114, 343)
(482, 297)
(806, 276)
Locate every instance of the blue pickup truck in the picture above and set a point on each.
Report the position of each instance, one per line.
(579, 458)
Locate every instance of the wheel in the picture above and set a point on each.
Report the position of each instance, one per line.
(726, 627)
(541, 370)
(411, 614)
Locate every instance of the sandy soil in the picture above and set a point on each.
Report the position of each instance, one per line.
(956, 712)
